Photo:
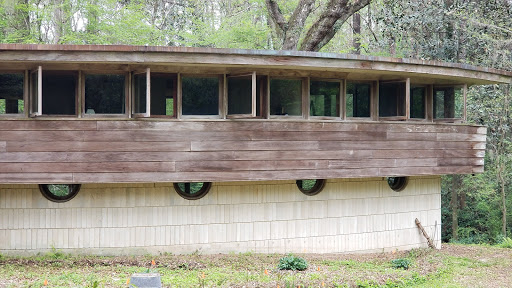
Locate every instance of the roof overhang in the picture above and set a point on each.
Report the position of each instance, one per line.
(184, 59)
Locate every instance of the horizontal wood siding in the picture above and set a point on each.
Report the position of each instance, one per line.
(111, 151)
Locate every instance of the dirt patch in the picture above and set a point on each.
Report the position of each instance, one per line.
(460, 265)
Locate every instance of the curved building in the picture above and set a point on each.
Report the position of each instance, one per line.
(131, 149)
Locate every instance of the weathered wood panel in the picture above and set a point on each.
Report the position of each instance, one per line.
(149, 150)
(90, 167)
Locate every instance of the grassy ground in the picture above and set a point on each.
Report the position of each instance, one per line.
(452, 266)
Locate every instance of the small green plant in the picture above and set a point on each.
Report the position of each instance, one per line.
(56, 254)
(506, 242)
(292, 262)
(401, 263)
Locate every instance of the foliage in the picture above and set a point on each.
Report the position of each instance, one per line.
(506, 242)
(401, 263)
(292, 262)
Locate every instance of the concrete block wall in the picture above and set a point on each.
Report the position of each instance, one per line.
(349, 215)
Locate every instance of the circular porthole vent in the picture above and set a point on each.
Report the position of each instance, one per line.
(59, 192)
(192, 190)
(310, 187)
(397, 184)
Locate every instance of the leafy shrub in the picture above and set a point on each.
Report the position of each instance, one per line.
(401, 263)
(506, 243)
(292, 262)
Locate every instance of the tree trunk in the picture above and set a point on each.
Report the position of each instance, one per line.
(503, 200)
(58, 20)
(334, 14)
(356, 32)
(454, 205)
(502, 164)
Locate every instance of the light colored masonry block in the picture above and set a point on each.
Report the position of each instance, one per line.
(350, 215)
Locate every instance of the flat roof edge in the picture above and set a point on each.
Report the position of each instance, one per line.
(249, 52)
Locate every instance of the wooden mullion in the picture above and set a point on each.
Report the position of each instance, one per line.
(148, 92)
(178, 100)
(78, 103)
(464, 93)
(39, 90)
(26, 93)
(267, 99)
(175, 97)
(253, 92)
(374, 101)
(408, 98)
(82, 94)
(429, 106)
(127, 95)
(305, 97)
(222, 109)
(131, 86)
(343, 99)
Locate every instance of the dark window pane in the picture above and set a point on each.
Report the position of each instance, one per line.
(104, 94)
(240, 95)
(261, 91)
(418, 102)
(448, 102)
(34, 92)
(200, 96)
(285, 97)
(59, 93)
(324, 98)
(163, 91)
(392, 99)
(11, 93)
(358, 99)
(139, 93)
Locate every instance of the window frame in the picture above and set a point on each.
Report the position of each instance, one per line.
(26, 104)
(174, 77)
(253, 96)
(407, 104)
(220, 109)
(462, 119)
(426, 102)
(36, 108)
(304, 97)
(341, 97)
(147, 71)
(127, 93)
(373, 94)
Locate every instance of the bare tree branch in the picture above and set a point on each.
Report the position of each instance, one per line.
(276, 15)
(296, 24)
(336, 12)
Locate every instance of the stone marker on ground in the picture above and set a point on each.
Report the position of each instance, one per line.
(145, 280)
